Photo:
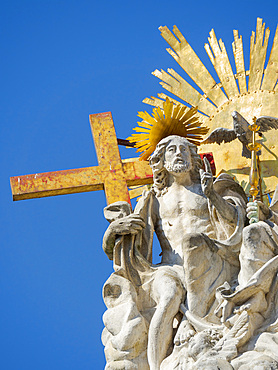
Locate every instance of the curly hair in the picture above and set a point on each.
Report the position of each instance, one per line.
(160, 174)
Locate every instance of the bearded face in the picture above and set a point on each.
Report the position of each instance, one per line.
(177, 167)
(177, 156)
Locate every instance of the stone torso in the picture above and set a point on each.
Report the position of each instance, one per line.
(181, 211)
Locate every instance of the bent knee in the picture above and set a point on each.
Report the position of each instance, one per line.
(166, 288)
(253, 233)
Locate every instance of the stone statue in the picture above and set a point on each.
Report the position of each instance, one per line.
(256, 294)
(190, 311)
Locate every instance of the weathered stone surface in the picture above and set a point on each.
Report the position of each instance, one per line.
(212, 302)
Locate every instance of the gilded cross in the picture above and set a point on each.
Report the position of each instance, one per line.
(113, 174)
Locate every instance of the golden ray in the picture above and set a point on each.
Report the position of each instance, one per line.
(173, 120)
(239, 61)
(258, 46)
(155, 102)
(271, 71)
(185, 56)
(257, 94)
(222, 64)
(175, 84)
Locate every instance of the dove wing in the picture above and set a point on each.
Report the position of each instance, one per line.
(219, 135)
(227, 346)
(240, 123)
(245, 151)
(267, 123)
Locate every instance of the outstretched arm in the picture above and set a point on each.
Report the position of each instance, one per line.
(226, 210)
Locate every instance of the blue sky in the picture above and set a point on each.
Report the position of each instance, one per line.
(61, 61)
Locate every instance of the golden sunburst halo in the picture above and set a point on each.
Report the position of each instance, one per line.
(174, 119)
(251, 92)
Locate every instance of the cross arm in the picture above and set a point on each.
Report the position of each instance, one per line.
(77, 180)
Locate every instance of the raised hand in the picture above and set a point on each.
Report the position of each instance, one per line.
(206, 178)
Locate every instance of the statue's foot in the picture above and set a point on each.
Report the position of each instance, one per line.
(184, 333)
